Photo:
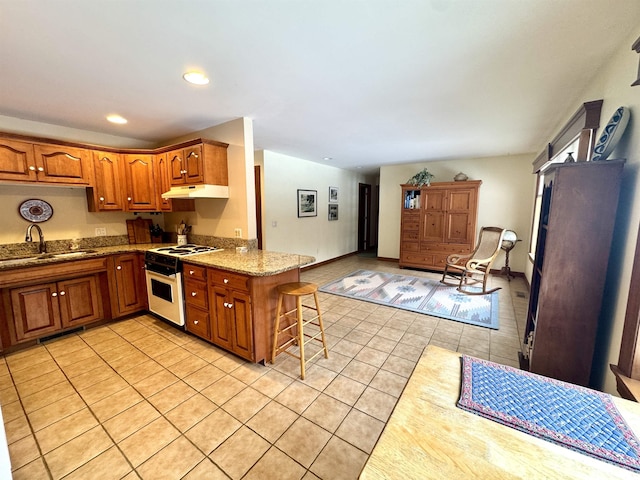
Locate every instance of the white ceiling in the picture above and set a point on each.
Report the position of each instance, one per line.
(365, 82)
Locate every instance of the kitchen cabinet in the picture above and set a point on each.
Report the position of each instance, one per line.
(436, 221)
(163, 184)
(17, 161)
(201, 163)
(197, 301)
(231, 312)
(140, 190)
(186, 166)
(62, 164)
(106, 194)
(47, 163)
(46, 308)
(128, 288)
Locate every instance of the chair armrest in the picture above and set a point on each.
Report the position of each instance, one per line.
(455, 258)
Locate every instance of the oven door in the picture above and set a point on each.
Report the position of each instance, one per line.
(165, 296)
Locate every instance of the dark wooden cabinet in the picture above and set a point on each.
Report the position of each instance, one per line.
(436, 221)
(576, 220)
(127, 284)
(45, 308)
(106, 194)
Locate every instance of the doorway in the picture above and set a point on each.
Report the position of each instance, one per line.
(367, 218)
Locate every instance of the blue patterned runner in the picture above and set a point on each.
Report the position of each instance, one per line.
(569, 415)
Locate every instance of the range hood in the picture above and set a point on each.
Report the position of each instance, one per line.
(198, 191)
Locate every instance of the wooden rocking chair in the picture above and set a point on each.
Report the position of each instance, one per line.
(465, 271)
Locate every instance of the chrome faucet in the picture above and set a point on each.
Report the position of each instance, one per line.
(42, 247)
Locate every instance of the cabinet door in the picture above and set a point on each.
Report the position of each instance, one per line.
(141, 191)
(130, 285)
(17, 161)
(221, 331)
(176, 167)
(460, 216)
(80, 301)
(36, 311)
(62, 164)
(433, 221)
(107, 190)
(192, 160)
(240, 312)
(163, 183)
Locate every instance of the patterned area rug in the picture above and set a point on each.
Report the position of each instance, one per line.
(569, 415)
(420, 295)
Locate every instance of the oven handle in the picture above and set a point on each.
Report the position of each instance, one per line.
(158, 275)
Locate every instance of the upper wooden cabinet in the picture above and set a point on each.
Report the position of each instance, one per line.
(437, 221)
(106, 193)
(29, 162)
(203, 163)
(62, 164)
(140, 184)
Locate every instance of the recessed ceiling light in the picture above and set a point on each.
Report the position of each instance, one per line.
(115, 118)
(197, 78)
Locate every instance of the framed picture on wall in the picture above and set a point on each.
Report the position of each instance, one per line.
(307, 203)
(333, 194)
(333, 212)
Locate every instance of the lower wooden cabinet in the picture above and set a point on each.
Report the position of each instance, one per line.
(127, 284)
(238, 312)
(45, 308)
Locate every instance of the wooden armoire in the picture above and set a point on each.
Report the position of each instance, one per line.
(436, 221)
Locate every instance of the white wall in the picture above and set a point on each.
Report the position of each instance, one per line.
(613, 85)
(505, 200)
(316, 236)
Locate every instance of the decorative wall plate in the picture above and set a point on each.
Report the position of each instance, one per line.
(35, 210)
(611, 134)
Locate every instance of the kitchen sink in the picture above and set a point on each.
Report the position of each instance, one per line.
(44, 256)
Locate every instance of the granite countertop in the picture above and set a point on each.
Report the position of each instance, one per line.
(253, 262)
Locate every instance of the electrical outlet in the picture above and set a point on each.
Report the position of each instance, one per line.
(101, 232)
(238, 232)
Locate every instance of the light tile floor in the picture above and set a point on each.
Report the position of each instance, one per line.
(140, 399)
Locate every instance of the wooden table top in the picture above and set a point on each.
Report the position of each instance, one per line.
(428, 437)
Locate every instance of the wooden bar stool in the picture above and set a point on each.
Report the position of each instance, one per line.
(295, 330)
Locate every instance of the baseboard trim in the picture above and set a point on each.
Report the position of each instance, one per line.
(326, 262)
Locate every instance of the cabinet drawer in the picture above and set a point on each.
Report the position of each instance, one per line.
(410, 246)
(416, 258)
(444, 248)
(195, 293)
(410, 224)
(195, 271)
(197, 321)
(229, 280)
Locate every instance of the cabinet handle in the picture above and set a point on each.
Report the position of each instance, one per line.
(226, 280)
(226, 304)
(54, 294)
(102, 199)
(193, 294)
(191, 272)
(32, 168)
(62, 293)
(41, 169)
(119, 267)
(129, 198)
(195, 322)
(229, 305)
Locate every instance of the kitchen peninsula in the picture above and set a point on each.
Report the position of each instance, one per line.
(230, 297)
